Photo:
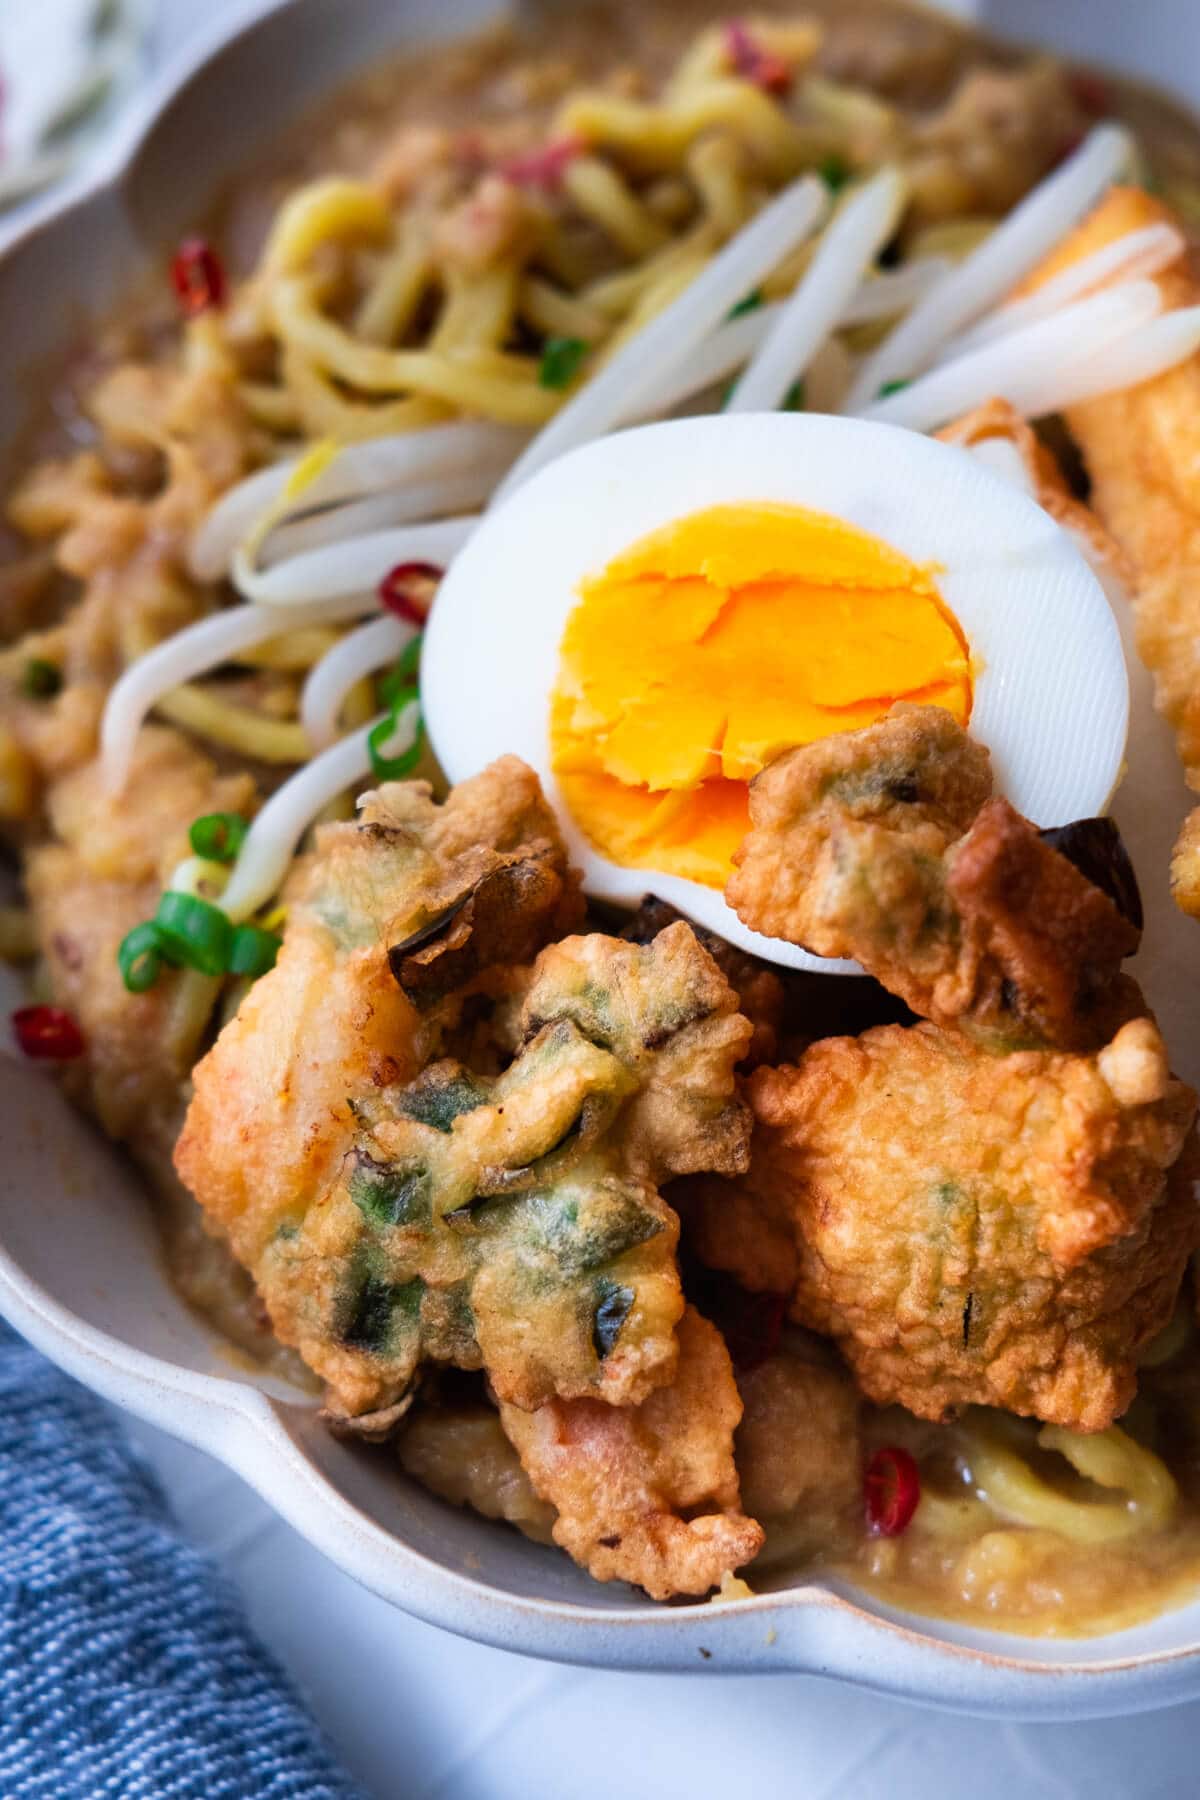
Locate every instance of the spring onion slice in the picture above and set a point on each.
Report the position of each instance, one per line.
(339, 570)
(394, 744)
(669, 340)
(1021, 367)
(140, 957)
(218, 836)
(192, 652)
(357, 471)
(851, 243)
(1028, 234)
(360, 653)
(252, 951)
(194, 932)
(276, 830)
(1137, 254)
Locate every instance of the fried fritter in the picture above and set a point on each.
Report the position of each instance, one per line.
(1140, 448)
(272, 1115)
(982, 1229)
(759, 989)
(457, 1449)
(883, 845)
(647, 1494)
(515, 1223)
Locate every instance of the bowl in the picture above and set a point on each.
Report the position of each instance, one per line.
(80, 1271)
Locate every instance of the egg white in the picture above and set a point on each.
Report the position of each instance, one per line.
(1051, 689)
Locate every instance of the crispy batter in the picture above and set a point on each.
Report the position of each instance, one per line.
(1140, 447)
(974, 1228)
(515, 1222)
(647, 1494)
(882, 845)
(271, 1119)
(759, 989)
(798, 1446)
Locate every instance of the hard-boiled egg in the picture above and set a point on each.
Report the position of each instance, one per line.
(654, 617)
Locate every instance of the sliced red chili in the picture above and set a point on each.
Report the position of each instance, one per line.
(891, 1491)
(47, 1033)
(1090, 92)
(753, 62)
(198, 276)
(408, 590)
(542, 167)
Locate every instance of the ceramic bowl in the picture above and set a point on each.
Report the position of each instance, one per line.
(80, 1272)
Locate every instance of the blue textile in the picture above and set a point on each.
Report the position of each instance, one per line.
(127, 1668)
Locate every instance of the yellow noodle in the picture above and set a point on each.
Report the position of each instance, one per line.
(274, 408)
(1018, 1493)
(962, 1516)
(327, 414)
(485, 382)
(193, 997)
(293, 650)
(479, 310)
(331, 210)
(18, 940)
(389, 306)
(617, 295)
(951, 237)
(235, 727)
(656, 299)
(657, 136)
(359, 705)
(556, 314)
(1112, 1459)
(602, 195)
(716, 167)
(795, 42)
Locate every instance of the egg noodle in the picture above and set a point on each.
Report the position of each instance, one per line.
(412, 343)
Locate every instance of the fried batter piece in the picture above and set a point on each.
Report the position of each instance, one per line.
(649, 1493)
(514, 1223)
(798, 1447)
(883, 845)
(272, 1115)
(759, 990)
(982, 1229)
(1140, 449)
(457, 1449)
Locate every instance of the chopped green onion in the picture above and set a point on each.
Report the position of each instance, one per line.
(395, 768)
(253, 951)
(751, 303)
(834, 171)
(140, 957)
(40, 680)
(399, 685)
(218, 836)
(793, 400)
(194, 932)
(561, 360)
(892, 387)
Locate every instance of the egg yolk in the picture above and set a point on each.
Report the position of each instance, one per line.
(718, 642)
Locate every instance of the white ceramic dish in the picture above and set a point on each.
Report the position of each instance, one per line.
(80, 1273)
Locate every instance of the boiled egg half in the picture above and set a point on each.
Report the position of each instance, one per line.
(652, 619)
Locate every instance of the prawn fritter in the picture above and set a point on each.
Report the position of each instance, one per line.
(883, 845)
(457, 1449)
(647, 1494)
(759, 989)
(273, 1110)
(982, 1229)
(515, 1224)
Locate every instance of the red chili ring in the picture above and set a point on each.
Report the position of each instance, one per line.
(198, 277)
(394, 590)
(891, 1491)
(47, 1033)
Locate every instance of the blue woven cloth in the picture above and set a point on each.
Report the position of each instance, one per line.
(127, 1668)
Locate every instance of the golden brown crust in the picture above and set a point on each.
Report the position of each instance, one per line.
(882, 845)
(647, 1494)
(981, 1229)
(798, 1446)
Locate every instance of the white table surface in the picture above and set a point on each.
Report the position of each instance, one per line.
(417, 1714)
